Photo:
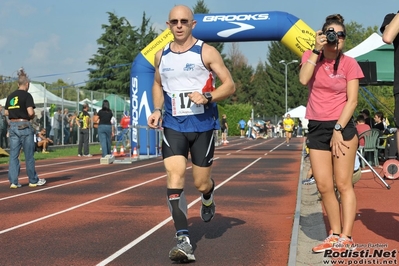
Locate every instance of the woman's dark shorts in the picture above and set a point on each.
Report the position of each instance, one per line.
(320, 133)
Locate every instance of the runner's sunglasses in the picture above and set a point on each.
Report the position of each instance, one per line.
(176, 21)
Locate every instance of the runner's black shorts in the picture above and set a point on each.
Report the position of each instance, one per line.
(201, 146)
(320, 133)
(223, 130)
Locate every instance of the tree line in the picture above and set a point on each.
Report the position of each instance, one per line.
(262, 87)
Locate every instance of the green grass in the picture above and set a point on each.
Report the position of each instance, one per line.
(56, 153)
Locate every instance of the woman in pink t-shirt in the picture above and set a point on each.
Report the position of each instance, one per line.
(333, 82)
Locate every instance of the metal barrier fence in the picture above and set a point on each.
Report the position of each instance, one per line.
(71, 97)
(134, 156)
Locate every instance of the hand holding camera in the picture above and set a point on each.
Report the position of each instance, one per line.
(320, 40)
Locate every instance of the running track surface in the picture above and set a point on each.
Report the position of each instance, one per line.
(94, 214)
(89, 214)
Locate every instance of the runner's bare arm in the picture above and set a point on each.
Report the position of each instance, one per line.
(213, 61)
(157, 94)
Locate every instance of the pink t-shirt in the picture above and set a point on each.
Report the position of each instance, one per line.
(327, 91)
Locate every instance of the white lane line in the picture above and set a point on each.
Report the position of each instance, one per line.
(77, 181)
(254, 145)
(78, 206)
(45, 165)
(52, 173)
(158, 226)
(278, 146)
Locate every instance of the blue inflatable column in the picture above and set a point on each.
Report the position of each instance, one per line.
(141, 80)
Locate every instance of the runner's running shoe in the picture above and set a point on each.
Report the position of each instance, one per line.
(327, 244)
(183, 252)
(207, 211)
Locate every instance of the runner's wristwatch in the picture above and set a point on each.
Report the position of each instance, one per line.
(157, 109)
(208, 96)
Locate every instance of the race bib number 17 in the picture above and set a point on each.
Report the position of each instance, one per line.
(182, 105)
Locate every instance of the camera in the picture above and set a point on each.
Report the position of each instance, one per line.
(331, 36)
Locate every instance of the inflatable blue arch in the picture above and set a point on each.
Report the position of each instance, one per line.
(218, 27)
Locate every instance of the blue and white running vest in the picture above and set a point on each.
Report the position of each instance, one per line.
(181, 74)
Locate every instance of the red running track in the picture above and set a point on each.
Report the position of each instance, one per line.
(93, 214)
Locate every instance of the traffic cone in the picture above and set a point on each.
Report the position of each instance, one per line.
(122, 151)
(115, 152)
(135, 153)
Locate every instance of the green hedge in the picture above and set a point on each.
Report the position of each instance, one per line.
(235, 113)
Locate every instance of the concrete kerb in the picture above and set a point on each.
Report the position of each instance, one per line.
(292, 258)
(309, 228)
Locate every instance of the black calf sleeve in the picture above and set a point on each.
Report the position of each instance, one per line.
(208, 195)
(178, 208)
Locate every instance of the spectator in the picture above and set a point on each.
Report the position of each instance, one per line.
(361, 127)
(378, 122)
(259, 129)
(114, 124)
(44, 121)
(57, 126)
(278, 129)
(74, 128)
(272, 129)
(95, 126)
(21, 133)
(3, 129)
(367, 118)
(250, 128)
(67, 125)
(83, 123)
(281, 129)
(43, 141)
(300, 127)
(224, 127)
(241, 126)
(105, 129)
